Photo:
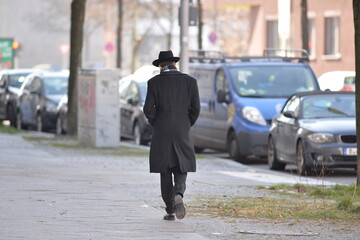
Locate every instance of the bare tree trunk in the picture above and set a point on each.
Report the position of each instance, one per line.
(356, 8)
(304, 26)
(76, 42)
(169, 35)
(134, 48)
(119, 34)
(200, 24)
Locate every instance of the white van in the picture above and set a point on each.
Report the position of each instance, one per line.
(337, 81)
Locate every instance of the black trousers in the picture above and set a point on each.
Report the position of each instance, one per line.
(170, 187)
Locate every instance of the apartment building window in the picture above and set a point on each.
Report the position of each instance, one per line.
(272, 35)
(332, 34)
(312, 39)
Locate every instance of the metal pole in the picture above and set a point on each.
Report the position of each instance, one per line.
(356, 7)
(304, 26)
(184, 36)
(119, 34)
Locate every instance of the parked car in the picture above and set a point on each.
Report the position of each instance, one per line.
(314, 130)
(61, 120)
(10, 83)
(337, 81)
(239, 97)
(132, 93)
(39, 98)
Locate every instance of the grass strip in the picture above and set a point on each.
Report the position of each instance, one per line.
(8, 129)
(303, 202)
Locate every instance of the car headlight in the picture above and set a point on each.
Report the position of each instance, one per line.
(253, 115)
(321, 137)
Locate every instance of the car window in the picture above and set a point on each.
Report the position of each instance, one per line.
(143, 91)
(292, 105)
(349, 80)
(205, 80)
(28, 84)
(272, 81)
(3, 81)
(133, 92)
(55, 85)
(16, 80)
(123, 88)
(329, 106)
(221, 82)
(35, 85)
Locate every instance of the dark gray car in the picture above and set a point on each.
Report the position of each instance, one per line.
(39, 98)
(61, 120)
(10, 83)
(134, 125)
(315, 131)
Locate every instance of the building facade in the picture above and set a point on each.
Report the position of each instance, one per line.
(330, 30)
(237, 27)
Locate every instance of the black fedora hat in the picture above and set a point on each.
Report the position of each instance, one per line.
(165, 56)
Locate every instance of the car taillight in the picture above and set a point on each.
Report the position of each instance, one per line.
(348, 88)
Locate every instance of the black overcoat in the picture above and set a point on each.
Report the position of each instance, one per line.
(172, 106)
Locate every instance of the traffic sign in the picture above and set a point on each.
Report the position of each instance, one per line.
(109, 47)
(7, 53)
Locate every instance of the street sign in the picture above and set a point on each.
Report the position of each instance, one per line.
(213, 37)
(109, 47)
(6, 53)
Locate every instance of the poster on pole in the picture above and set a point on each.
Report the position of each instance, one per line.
(6, 53)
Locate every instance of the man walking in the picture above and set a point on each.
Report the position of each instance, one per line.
(172, 106)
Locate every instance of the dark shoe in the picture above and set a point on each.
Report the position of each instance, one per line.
(180, 210)
(169, 216)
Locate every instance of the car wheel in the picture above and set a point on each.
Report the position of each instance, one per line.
(273, 161)
(303, 169)
(137, 135)
(39, 123)
(18, 121)
(59, 130)
(198, 150)
(11, 115)
(233, 148)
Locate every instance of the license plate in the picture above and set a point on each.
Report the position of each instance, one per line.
(350, 151)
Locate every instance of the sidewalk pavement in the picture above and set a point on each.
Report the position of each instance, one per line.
(57, 192)
(44, 196)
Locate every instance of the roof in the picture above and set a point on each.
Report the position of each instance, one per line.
(51, 74)
(316, 93)
(17, 71)
(270, 55)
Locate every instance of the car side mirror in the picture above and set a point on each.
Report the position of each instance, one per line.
(131, 101)
(3, 84)
(35, 92)
(222, 96)
(289, 114)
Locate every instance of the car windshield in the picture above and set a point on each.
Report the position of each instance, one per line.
(56, 85)
(272, 81)
(331, 106)
(16, 80)
(143, 90)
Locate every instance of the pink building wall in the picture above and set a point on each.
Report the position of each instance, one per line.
(262, 11)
